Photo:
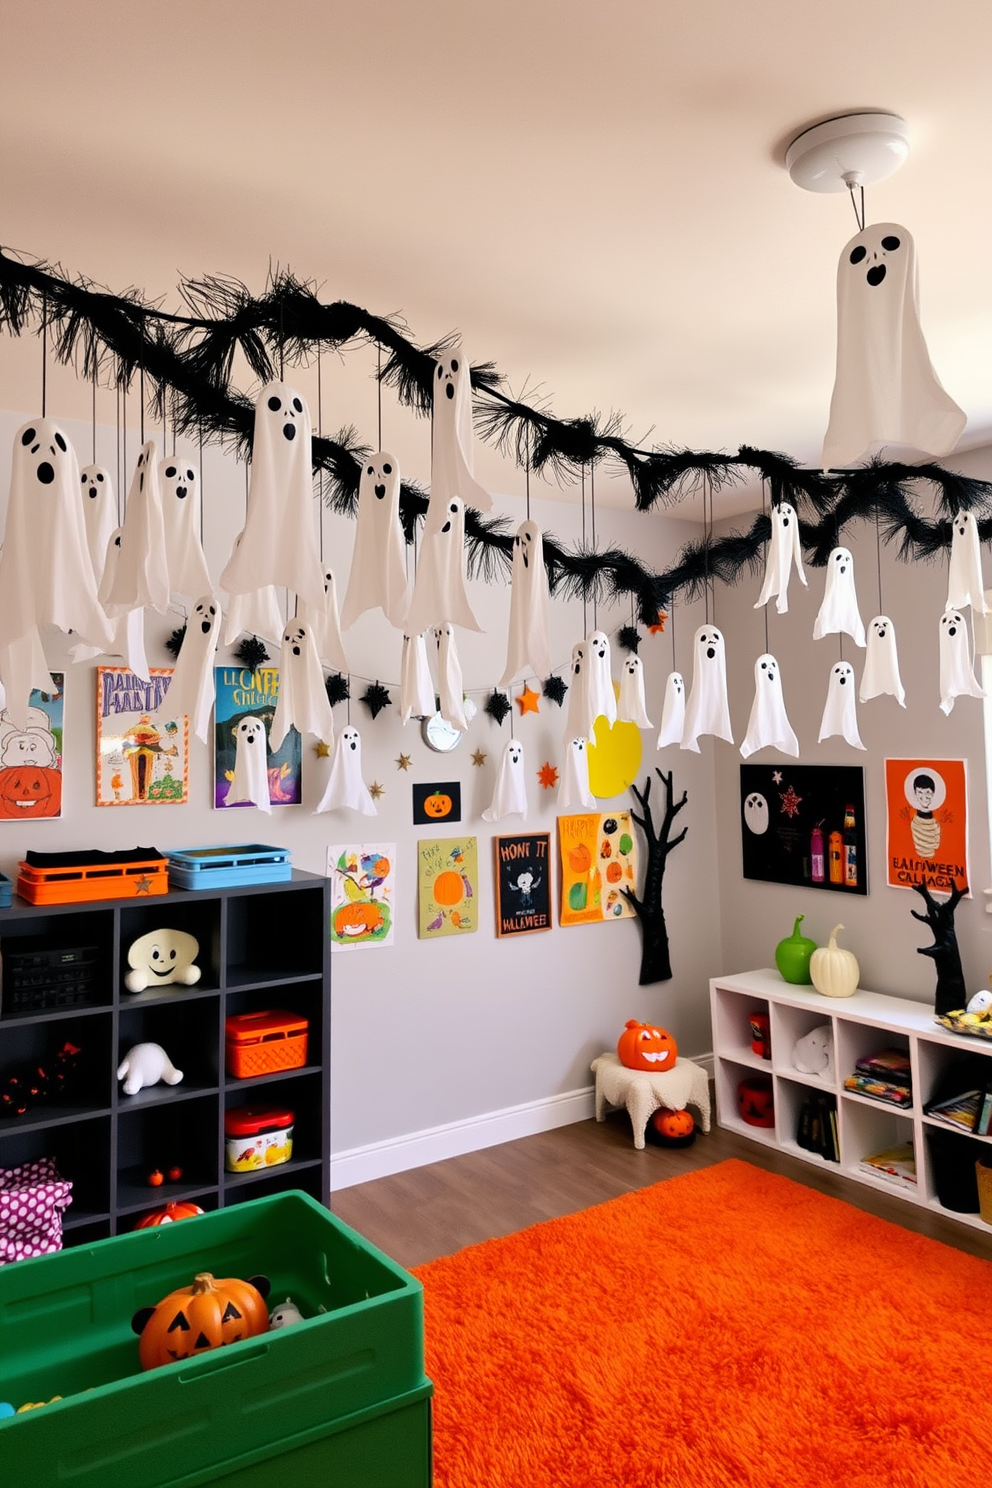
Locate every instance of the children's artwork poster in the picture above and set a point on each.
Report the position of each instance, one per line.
(805, 825)
(523, 883)
(598, 860)
(363, 879)
(141, 759)
(926, 828)
(448, 880)
(31, 759)
(438, 801)
(250, 696)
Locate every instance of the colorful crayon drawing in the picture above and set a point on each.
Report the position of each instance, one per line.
(598, 860)
(448, 879)
(31, 759)
(363, 879)
(141, 759)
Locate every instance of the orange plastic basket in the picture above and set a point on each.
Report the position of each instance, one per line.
(264, 1043)
(114, 881)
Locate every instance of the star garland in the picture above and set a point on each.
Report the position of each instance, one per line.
(555, 689)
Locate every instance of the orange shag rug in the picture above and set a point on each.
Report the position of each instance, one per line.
(725, 1329)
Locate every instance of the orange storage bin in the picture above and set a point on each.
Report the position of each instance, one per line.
(264, 1043)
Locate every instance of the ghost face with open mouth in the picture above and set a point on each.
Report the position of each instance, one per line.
(510, 795)
(839, 610)
(881, 672)
(378, 570)
(191, 688)
(840, 712)
(784, 550)
(707, 711)
(957, 672)
(188, 573)
(303, 703)
(769, 724)
(345, 787)
(250, 785)
(672, 712)
(452, 441)
(575, 791)
(529, 643)
(439, 593)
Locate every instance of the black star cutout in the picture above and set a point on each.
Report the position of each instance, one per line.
(338, 690)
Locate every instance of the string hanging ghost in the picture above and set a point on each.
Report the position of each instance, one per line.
(255, 613)
(22, 670)
(450, 690)
(575, 793)
(964, 578)
(957, 672)
(127, 628)
(250, 785)
(345, 787)
(439, 593)
(707, 711)
(99, 513)
(529, 640)
(452, 442)
(768, 725)
(510, 795)
(302, 701)
(886, 391)
(326, 626)
(378, 568)
(602, 698)
(416, 687)
(784, 550)
(840, 712)
(140, 578)
(672, 712)
(191, 687)
(577, 719)
(839, 609)
(631, 707)
(881, 669)
(185, 560)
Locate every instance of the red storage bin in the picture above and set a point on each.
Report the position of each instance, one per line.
(264, 1043)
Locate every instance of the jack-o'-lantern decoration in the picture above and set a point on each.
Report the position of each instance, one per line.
(360, 918)
(437, 805)
(29, 791)
(448, 888)
(755, 1101)
(642, 1046)
(208, 1314)
(671, 1128)
(180, 1209)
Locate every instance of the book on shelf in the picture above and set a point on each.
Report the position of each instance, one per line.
(984, 1114)
(879, 1089)
(895, 1163)
(816, 1129)
(958, 1110)
(891, 1065)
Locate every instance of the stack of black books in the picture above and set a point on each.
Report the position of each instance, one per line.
(817, 1129)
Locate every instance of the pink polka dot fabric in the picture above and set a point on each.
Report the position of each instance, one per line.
(32, 1197)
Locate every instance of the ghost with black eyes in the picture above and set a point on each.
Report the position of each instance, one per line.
(840, 712)
(784, 550)
(326, 625)
(510, 795)
(378, 568)
(768, 725)
(250, 783)
(416, 687)
(957, 670)
(450, 688)
(99, 513)
(345, 788)
(707, 711)
(602, 698)
(965, 585)
(577, 720)
(303, 702)
(191, 687)
(187, 565)
(452, 441)
(575, 792)
(529, 641)
(881, 670)
(140, 577)
(839, 610)
(886, 391)
(756, 814)
(439, 593)
(631, 705)
(672, 712)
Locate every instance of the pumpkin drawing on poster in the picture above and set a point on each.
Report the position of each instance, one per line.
(598, 859)
(927, 824)
(31, 759)
(363, 880)
(448, 882)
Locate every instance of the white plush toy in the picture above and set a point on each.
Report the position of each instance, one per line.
(814, 1054)
(162, 957)
(285, 1314)
(145, 1065)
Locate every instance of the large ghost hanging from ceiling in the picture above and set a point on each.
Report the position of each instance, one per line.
(188, 573)
(529, 642)
(256, 613)
(191, 687)
(303, 703)
(378, 568)
(839, 609)
(345, 787)
(450, 689)
(250, 785)
(575, 793)
(885, 391)
(577, 715)
(278, 545)
(326, 626)
(840, 712)
(631, 707)
(602, 698)
(23, 669)
(510, 795)
(141, 575)
(957, 672)
(768, 725)
(707, 711)
(416, 687)
(439, 593)
(964, 579)
(881, 670)
(452, 441)
(672, 712)
(784, 550)
(99, 513)
(128, 628)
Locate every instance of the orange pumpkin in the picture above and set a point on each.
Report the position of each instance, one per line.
(614, 873)
(180, 1209)
(207, 1315)
(671, 1129)
(29, 791)
(642, 1046)
(360, 918)
(448, 888)
(437, 804)
(580, 858)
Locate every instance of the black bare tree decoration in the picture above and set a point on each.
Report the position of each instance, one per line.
(656, 964)
(951, 992)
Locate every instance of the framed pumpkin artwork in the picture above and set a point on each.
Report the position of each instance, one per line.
(448, 882)
(31, 759)
(439, 801)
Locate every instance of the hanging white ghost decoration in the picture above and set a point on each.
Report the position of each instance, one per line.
(191, 687)
(46, 573)
(840, 712)
(99, 514)
(529, 642)
(326, 626)
(575, 792)
(416, 687)
(707, 711)
(278, 545)
(881, 669)
(886, 390)
(957, 672)
(303, 703)
(127, 629)
(672, 712)
(251, 766)
(439, 593)
(768, 725)
(631, 707)
(22, 669)
(141, 575)
(188, 572)
(378, 568)
(784, 550)
(602, 698)
(964, 578)
(510, 795)
(839, 609)
(577, 715)
(450, 690)
(452, 441)
(345, 786)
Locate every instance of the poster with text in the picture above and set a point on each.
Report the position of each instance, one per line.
(598, 859)
(31, 759)
(805, 825)
(245, 694)
(926, 827)
(141, 759)
(523, 883)
(448, 881)
(362, 884)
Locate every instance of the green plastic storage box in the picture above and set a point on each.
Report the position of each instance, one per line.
(339, 1399)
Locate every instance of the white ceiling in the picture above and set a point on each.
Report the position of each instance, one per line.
(591, 194)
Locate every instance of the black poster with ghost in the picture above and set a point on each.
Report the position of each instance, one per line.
(805, 825)
(523, 883)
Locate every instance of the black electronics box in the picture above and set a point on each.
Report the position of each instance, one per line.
(42, 978)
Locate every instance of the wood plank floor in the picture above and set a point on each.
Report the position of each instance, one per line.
(435, 1210)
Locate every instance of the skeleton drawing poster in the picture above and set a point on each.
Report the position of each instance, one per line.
(142, 755)
(31, 759)
(926, 833)
(247, 772)
(523, 883)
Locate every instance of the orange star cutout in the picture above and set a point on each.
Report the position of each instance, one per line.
(527, 701)
(659, 627)
(547, 775)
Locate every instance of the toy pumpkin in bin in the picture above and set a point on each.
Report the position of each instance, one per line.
(206, 1315)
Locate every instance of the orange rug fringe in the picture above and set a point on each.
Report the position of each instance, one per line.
(725, 1329)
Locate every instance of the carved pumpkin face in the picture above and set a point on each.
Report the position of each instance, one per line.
(28, 791)
(642, 1046)
(207, 1315)
(755, 1101)
(437, 804)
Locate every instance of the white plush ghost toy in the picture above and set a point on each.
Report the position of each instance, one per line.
(416, 687)
(964, 578)
(602, 698)
(672, 712)
(575, 791)
(886, 390)
(839, 610)
(707, 711)
(303, 703)
(840, 712)
(768, 725)
(188, 572)
(345, 786)
(631, 707)
(450, 690)
(140, 578)
(881, 670)
(783, 550)
(577, 715)
(378, 568)
(326, 626)
(251, 766)
(99, 513)
(452, 441)
(191, 687)
(439, 592)
(957, 673)
(529, 643)
(278, 545)
(510, 795)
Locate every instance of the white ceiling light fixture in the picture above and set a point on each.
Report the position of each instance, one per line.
(848, 151)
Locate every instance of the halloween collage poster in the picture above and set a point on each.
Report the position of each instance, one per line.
(598, 860)
(926, 832)
(363, 881)
(142, 755)
(31, 759)
(805, 825)
(245, 768)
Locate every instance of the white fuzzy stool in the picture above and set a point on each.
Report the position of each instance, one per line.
(643, 1091)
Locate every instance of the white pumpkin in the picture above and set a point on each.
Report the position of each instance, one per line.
(832, 970)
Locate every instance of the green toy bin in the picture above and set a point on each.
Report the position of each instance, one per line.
(340, 1398)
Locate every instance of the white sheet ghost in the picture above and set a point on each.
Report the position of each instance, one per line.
(885, 390)
(378, 568)
(577, 714)
(510, 795)
(672, 712)
(529, 639)
(127, 628)
(278, 545)
(784, 550)
(964, 577)
(450, 689)
(439, 592)
(575, 791)
(141, 575)
(191, 689)
(251, 766)
(599, 667)
(99, 513)
(452, 441)
(881, 669)
(416, 687)
(840, 712)
(345, 786)
(768, 725)
(188, 572)
(326, 626)
(707, 711)
(256, 613)
(631, 707)
(303, 703)
(22, 669)
(46, 573)
(957, 672)
(839, 609)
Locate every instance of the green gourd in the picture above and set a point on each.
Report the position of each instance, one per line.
(792, 955)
